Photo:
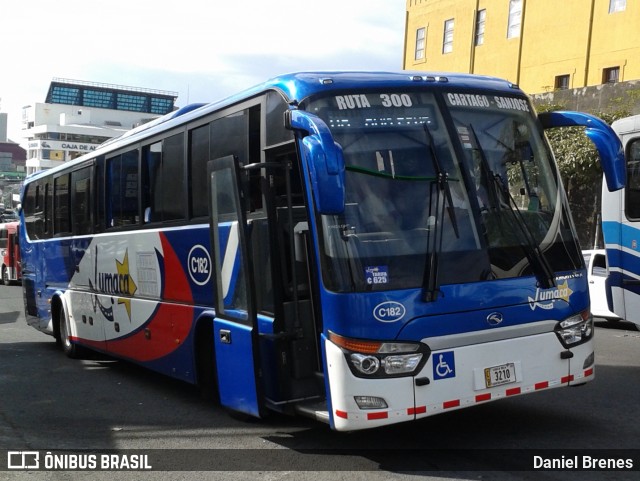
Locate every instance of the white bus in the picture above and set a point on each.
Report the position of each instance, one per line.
(621, 228)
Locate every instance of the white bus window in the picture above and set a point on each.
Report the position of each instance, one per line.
(632, 198)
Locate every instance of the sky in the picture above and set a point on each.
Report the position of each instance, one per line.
(204, 50)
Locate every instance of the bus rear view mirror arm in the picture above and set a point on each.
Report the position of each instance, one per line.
(323, 158)
(603, 137)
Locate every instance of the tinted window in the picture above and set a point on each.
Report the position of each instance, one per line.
(163, 182)
(276, 107)
(239, 135)
(632, 200)
(199, 156)
(81, 205)
(122, 190)
(61, 218)
(31, 218)
(173, 191)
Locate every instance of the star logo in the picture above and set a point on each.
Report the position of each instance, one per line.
(564, 291)
(127, 286)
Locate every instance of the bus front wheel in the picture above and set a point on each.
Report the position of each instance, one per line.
(64, 336)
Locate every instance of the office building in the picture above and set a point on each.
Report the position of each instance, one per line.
(77, 116)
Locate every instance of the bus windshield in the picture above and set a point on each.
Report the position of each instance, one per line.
(448, 190)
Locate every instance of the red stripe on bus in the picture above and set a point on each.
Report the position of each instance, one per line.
(542, 385)
(513, 391)
(483, 397)
(588, 372)
(451, 404)
(567, 379)
(342, 414)
(380, 415)
(417, 410)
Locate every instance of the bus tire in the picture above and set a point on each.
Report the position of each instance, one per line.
(5, 276)
(63, 335)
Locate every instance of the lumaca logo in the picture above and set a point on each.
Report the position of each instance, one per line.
(545, 298)
(119, 283)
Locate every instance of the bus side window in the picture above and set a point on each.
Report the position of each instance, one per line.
(81, 204)
(163, 191)
(198, 159)
(34, 209)
(238, 134)
(151, 162)
(122, 190)
(632, 198)
(100, 186)
(48, 208)
(61, 200)
(29, 210)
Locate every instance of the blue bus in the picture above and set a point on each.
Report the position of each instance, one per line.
(364, 248)
(621, 228)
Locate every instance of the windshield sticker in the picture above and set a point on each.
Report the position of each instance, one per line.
(466, 139)
(377, 275)
(484, 101)
(545, 298)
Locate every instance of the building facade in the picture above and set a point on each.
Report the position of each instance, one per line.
(542, 45)
(12, 168)
(78, 116)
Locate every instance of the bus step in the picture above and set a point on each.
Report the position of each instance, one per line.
(314, 409)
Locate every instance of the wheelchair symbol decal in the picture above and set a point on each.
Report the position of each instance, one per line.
(444, 365)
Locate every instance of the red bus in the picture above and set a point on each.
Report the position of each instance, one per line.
(10, 253)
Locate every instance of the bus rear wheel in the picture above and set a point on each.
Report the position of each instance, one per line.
(5, 276)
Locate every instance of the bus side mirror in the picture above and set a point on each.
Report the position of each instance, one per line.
(323, 158)
(602, 135)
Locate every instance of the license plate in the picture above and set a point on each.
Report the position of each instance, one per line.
(498, 375)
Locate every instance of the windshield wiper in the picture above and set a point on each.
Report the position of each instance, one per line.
(538, 261)
(441, 185)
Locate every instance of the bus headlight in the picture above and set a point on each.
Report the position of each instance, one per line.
(576, 329)
(375, 359)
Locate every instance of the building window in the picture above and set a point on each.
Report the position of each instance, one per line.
(421, 39)
(480, 21)
(617, 6)
(611, 75)
(515, 17)
(447, 42)
(562, 82)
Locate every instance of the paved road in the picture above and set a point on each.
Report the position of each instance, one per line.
(50, 402)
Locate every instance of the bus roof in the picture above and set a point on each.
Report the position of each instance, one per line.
(626, 125)
(296, 87)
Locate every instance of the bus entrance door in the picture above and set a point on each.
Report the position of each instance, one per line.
(235, 325)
